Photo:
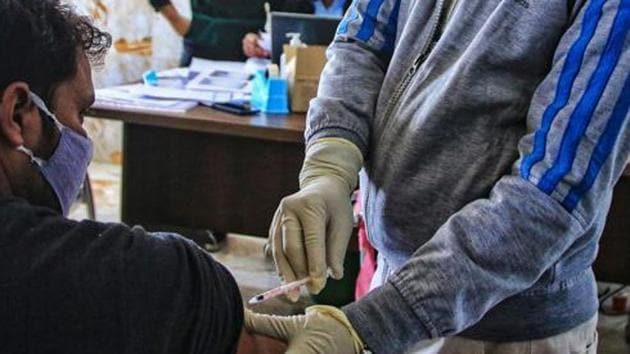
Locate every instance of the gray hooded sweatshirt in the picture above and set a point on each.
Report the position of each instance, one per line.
(493, 134)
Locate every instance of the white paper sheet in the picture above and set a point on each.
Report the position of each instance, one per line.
(124, 97)
(205, 65)
(161, 98)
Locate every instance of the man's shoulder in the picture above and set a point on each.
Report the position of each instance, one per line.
(20, 218)
(39, 246)
(46, 242)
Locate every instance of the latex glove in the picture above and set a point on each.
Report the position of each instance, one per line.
(310, 231)
(323, 329)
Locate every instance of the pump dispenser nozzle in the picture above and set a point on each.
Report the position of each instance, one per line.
(295, 39)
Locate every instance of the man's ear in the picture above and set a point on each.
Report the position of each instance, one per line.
(16, 108)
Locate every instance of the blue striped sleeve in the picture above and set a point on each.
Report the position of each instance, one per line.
(579, 129)
(572, 65)
(373, 23)
(604, 148)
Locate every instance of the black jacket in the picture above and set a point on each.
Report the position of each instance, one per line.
(88, 287)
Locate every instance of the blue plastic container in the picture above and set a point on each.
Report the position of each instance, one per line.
(270, 94)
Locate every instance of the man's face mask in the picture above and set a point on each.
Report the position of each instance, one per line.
(66, 168)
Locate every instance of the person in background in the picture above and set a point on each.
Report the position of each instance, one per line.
(490, 135)
(87, 287)
(217, 26)
(332, 8)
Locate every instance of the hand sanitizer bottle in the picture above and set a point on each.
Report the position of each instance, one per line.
(294, 42)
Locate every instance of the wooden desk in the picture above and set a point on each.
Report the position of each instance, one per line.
(206, 169)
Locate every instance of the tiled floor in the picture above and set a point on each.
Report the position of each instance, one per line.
(243, 256)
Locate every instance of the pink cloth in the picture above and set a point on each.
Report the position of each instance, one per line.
(368, 256)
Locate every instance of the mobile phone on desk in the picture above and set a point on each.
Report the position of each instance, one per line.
(238, 107)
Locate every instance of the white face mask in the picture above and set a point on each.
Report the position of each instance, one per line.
(66, 168)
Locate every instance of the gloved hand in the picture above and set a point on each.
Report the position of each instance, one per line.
(323, 329)
(310, 231)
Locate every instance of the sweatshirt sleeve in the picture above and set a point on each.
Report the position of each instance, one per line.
(576, 147)
(357, 58)
(177, 298)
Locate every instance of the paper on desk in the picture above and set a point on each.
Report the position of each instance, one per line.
(185, 95)
(250, 66)
(213, 81)
(180, 107)
(205, 65)
(168, 93)
(219, 80)
(163, 98)
(125, 97)
(213, 75)
(174, 78)
(174, 73)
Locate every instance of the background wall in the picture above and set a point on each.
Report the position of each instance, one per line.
(142, 40)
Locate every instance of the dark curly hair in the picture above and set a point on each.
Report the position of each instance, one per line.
(39, 41)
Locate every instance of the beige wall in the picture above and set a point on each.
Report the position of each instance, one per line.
(131, 20)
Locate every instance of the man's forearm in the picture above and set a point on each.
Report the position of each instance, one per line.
(158, 4)
(180, 24)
